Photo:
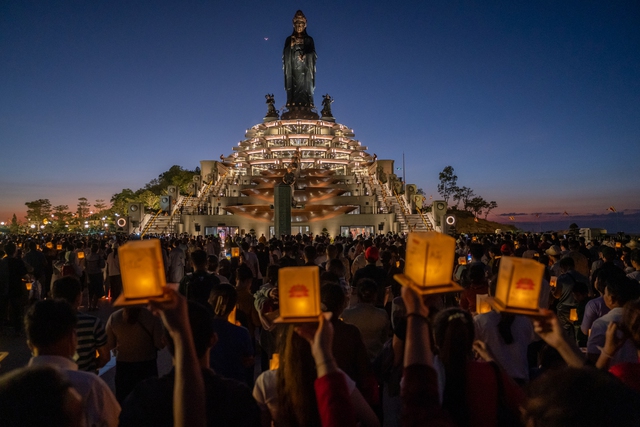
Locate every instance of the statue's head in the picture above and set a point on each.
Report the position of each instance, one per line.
(299, 22)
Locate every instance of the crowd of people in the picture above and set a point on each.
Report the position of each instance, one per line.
(380, 355)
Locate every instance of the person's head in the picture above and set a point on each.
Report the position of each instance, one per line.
(272, 274)
(608, 254)
(333, 298)
(223, 299)
(224, 269)
(245, 246)
(580, 291)
(212, 263)
(10, 249)
(454, 334)
(567, 264)
(386, 258)
(371, 255)
(332, 252)
(620, 290)
(477, 251)
(336, 267)
(574, 245)
(367, 291)
(58, 403)
(204, 336)
(309, 253)
(635, 258)
(51, 328)
(580, 397)
(199, 259)
(477, 274)
(244, 276)
(69, 289)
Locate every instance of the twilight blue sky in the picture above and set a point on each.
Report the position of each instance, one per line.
(535, 104)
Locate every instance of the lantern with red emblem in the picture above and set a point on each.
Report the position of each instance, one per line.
(299, 294)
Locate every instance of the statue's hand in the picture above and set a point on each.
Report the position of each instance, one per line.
(301, 58)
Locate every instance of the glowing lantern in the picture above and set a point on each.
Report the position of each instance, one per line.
(618, 245)
(274, 363)
(553, 281)
(59, 247)
(462, 260)
(573, 315)
(29, 285)
(142, 272)
(519, 285)
(482, 303)
(429, 263)
(235, 252)
(232, 316)
(49, 245)
(299, 294)
(80, 255)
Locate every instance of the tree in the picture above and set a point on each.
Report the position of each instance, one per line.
(14, 226)
(476, 205)
(38, 210)
(448, 183)
(176, 175)
(490, 206)
(463, 194)
(420, 192)
(83, 208)
(99, 205)
(120, 200)
(149, 199)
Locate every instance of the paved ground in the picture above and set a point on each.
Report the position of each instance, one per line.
(19, 353)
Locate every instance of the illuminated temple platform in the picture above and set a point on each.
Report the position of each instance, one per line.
(332, 192)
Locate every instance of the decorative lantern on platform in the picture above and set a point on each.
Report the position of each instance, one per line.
(59, 247)
(142, 272)
(49, 245)
(429, 263)
(235, 252)
(80, 255)
(462, 260)
(618, 245)
(299, 294)
(482, 303)
(553, 281)
(519, 285)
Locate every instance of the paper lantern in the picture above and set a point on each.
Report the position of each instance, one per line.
(299, 294)
(573, 315)
(519, 285)
(274, 363)
(482, 303)
(553, 281)
(49, 245)
(29, 285)
(462, 260)
(58, 247)
(429, 263)
(618, 245)
(142, 272)
(235, 252)
(80, 255)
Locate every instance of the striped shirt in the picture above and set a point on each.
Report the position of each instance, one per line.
(91, 336)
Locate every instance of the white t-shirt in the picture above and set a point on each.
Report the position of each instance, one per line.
(265, 391)
(512, 357)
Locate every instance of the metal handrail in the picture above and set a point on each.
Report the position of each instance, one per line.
(149, 223)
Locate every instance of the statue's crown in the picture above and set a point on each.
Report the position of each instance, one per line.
(299, 17)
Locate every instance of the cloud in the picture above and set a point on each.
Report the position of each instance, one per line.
(514, 214)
